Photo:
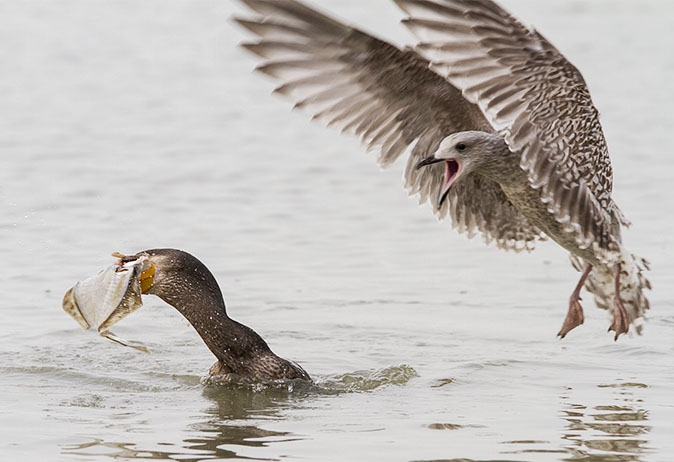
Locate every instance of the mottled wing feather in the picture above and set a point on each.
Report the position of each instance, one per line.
(539, 101)
(388, 97)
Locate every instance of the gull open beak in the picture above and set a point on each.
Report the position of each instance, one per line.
(428, 161)
(452, 171)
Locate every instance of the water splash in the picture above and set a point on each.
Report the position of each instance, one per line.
(357, 381)
(371, 379)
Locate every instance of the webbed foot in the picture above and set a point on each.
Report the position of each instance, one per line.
(575, 316)
(621, 323)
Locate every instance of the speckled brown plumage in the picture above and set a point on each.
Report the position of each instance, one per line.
(476, 69)
(388, 97)
(532, 95)
(185, 283)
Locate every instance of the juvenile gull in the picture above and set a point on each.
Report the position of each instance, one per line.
(502, 124)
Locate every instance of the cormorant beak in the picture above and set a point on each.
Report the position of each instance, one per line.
(147, 270)
(147, 278)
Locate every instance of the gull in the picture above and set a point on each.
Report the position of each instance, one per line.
(498, 126)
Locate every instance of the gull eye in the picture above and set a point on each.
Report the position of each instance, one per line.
(460, 146)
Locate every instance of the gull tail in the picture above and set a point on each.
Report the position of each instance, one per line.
(633, 284)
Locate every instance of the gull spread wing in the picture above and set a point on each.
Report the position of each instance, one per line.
(531, 94)
(388, 97)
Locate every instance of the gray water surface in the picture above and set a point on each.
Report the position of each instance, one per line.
(127, 125)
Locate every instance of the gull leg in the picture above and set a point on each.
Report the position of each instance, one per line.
(621, 323)
(575, 317)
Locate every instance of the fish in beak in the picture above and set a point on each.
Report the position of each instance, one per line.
(108, 297)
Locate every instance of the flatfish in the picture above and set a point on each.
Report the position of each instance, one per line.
(106, 298)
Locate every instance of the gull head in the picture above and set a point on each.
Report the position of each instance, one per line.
(462, 153)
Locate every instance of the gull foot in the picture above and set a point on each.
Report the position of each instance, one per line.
(621, 323)
(574, 317)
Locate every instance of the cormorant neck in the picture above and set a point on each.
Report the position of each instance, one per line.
(185, 283)
(195, 293)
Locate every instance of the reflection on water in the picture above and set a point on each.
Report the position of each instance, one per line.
(210, 435)
(470, 460)
(127, 451)
(608, 433)
(193, 449)
(217, 435)
(613, 432)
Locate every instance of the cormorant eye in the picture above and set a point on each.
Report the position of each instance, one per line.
(460, 146)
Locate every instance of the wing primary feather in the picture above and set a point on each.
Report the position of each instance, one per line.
(390, 97)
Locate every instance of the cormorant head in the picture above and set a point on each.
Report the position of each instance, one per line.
(172, 270)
